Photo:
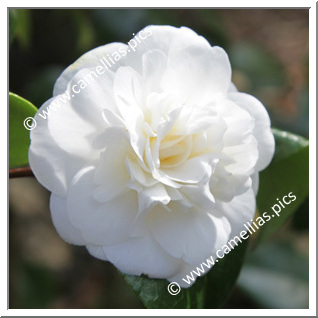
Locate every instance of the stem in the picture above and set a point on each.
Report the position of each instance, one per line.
(20, 172)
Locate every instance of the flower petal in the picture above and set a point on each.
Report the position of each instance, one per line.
(255, 182)
(198, 73)
(244, 157)
(94, 58)
(154, 63)
(190, 235)
(97, 251)
(166, 38)
(181, 277)
(239, 211)
(100, 223)
(151, 196)
(76, 122)
(238, 121)
(262, 131)
(193, 170)
(111, 175)
(142, 256)
(225, 185)
(127, 94)
(61, 221)
(48, 161)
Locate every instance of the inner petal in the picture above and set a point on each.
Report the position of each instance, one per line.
(175, 150)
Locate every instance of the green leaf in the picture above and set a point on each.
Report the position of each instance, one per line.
(222, 277)
(209, 291)
(287, 144)
(154, 293)
(288, 172)
(19, 140)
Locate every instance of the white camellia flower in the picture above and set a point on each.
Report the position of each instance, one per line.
(153, 162)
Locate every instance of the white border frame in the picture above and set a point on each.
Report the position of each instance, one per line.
(312, 180)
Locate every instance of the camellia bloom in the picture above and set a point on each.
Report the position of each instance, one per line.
(151, 154)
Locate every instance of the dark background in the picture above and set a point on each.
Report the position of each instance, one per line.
(268, 50)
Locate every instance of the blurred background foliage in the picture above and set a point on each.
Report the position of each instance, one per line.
(268, 50)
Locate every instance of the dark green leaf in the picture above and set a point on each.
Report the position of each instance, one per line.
(287, 144)
(19, 140)
(154, 293)
(300, 222)
(288, 172)
(220, 281)
(222, 277)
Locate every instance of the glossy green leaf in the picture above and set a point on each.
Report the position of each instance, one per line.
(288, 172)
(222, 277)
(287, 144)
(154, 293)
(19, 139)
(209, 291)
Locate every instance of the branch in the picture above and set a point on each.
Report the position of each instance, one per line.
(20, 172)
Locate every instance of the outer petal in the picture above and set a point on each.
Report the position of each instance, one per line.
(255, 182)
(186, 50)
(142, 256)
(239, 122)
(97, 251)
(262, 131)
(198, 73)
(76, 123)
(239, 211)
(154, 64)
(93, 58)
(245, 157)
(167, 38)
(182, 274)
(61, 221)
(191, 235)
(52, 166)
(100, 223)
